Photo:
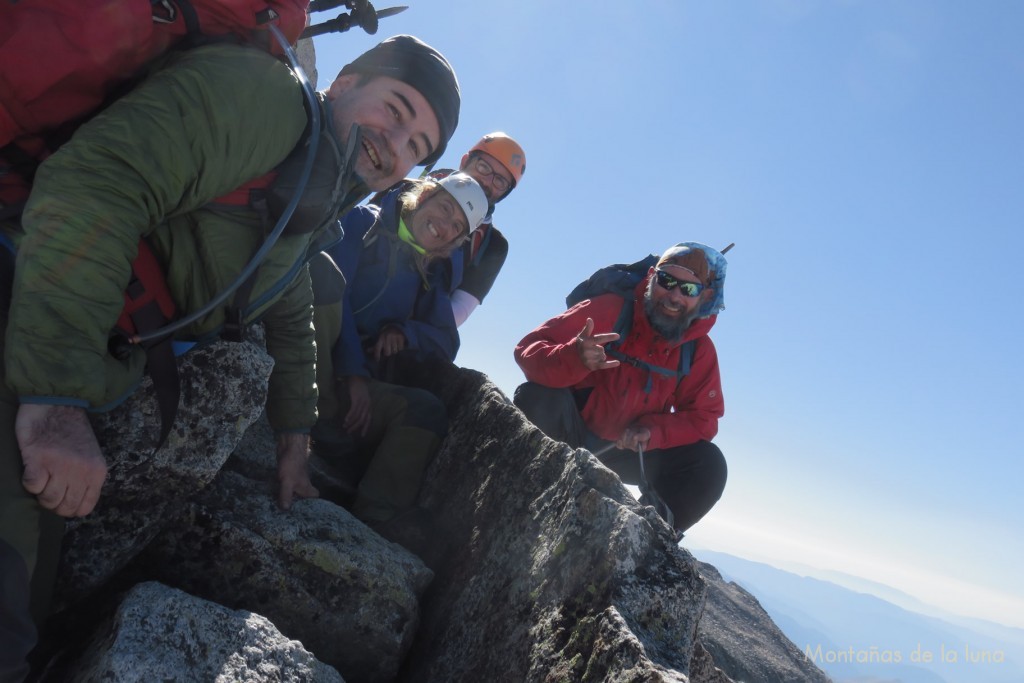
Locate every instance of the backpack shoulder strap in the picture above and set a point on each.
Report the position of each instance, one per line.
(624, 323)
(622, 326)
(686, 352)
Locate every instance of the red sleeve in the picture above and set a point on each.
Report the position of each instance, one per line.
(548, 355)
(698, 404)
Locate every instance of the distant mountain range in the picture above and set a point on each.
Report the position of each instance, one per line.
(857, 637)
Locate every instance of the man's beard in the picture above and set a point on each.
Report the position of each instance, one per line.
(672, 329)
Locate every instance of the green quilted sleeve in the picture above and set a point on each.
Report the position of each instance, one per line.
(207, 121)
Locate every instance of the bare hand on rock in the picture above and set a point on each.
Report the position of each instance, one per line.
(64, 467)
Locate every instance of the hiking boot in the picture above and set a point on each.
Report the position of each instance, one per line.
(336, 477)
(328, 436)
(413, 529)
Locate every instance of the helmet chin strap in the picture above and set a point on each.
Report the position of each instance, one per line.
(405, 234)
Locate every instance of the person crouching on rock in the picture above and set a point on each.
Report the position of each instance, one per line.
(395, 301)
(591, 389)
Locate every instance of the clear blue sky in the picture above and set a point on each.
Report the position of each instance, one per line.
(867, 158)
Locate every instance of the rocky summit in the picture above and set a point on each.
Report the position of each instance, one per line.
(532, 561)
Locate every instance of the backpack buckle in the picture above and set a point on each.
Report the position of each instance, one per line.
(168, 15)
(233, 330)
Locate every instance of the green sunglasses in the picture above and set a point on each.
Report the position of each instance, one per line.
(669, 283)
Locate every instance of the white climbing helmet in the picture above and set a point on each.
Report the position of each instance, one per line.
(469, 195)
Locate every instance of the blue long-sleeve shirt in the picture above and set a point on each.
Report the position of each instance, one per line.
(385, 287)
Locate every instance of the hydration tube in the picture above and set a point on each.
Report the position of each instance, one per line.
(282, 222)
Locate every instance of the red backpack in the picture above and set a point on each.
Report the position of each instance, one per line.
(59, 59)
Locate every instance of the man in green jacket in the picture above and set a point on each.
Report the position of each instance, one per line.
(152, 166)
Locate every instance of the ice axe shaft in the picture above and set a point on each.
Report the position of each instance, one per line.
(363, 14)
(647, 491)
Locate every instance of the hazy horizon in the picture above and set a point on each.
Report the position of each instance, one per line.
(864, 584)
(856, 635)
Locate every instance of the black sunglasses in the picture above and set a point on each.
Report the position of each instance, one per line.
(669, 283)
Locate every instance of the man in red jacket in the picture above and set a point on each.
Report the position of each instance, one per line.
(619, 396)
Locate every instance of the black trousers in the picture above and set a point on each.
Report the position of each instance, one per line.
(17, 631)
(19, 521)
(689, 478)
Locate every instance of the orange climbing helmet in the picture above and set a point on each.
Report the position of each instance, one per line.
(507, 151)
